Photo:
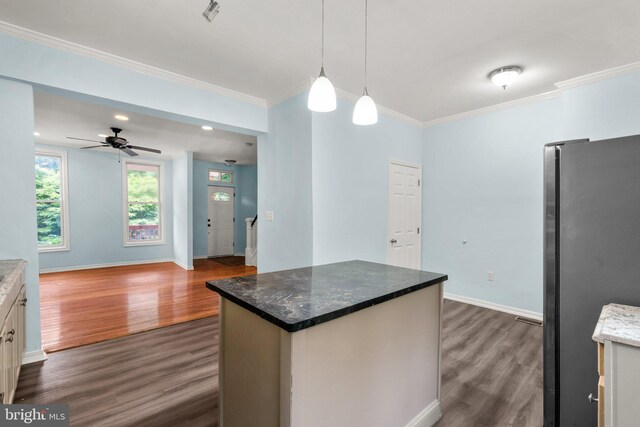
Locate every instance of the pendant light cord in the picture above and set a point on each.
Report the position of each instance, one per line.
(322, 65)
(365, 42)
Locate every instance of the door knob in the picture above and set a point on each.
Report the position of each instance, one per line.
(591, 398)
(393, 241)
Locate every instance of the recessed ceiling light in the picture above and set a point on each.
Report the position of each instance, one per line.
(36, 134)
(205, 127)
(504, 76)
(102, 135)
(121, 117)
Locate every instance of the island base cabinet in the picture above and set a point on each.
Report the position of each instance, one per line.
(618, 385)
(379, 366)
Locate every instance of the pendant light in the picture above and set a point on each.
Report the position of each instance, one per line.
(365, 112)
(322, 96)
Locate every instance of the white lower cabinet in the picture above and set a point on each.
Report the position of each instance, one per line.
(12, 341)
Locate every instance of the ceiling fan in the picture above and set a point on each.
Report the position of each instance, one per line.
(118, 143)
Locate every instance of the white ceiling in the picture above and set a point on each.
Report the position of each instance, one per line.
(428, 59)
(57, 117)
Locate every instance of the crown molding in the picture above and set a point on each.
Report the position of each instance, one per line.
(381, 108)
(67, 46)
(598, 75)
(497, 107)
(290, 93)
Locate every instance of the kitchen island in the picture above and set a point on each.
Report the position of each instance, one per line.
(346, 344)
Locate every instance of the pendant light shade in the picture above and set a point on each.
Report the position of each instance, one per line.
(322, 96)
(365, 112)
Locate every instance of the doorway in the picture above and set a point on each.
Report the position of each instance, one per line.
(220, 221)
(404, 245)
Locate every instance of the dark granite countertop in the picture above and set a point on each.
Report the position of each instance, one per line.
(300, 298)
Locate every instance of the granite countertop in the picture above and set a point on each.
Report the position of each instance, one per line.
(619, 323)
(300, 298)
(10, 270)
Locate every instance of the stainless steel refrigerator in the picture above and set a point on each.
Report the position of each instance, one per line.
(592, 258)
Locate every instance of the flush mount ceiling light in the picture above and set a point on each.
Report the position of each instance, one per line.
(365, 112)
(211, 11)
(322, 96)
(121, 117)
(205, 127)
(504, 76)
(230, 162)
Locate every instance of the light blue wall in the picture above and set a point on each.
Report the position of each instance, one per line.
(350, 182)
(183, 210)
(96, 213)
(284, 187)
(76, 75)
(245, 184)
(246, 202)
(41, 65)
(606, 109)
(18, 211)
(483, 183)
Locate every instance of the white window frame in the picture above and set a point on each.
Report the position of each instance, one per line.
(64, 201)
(125, 203)
(221, 171)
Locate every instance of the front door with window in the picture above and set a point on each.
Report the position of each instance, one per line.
(404, 246)
(220, 221)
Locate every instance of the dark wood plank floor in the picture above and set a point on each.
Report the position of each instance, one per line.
(492, 375)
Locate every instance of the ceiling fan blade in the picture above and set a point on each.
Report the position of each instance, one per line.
(129, 152)
(94, 146)
(151, 150)
(83, 139)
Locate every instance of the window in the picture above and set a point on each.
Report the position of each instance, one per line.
(51, 201)
(221, 196)
(143, 209)
(220, 176)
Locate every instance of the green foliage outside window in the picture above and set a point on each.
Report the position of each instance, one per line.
(143, 202)
(48, 201)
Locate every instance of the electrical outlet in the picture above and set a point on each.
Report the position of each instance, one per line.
(490, 276)
(268, 216)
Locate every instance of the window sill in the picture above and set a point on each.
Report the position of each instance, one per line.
(153, 243)
(53, 249)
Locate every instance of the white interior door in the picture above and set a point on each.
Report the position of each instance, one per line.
(405, 215)
(220, 220)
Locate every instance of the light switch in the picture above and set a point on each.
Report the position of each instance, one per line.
(268, 215)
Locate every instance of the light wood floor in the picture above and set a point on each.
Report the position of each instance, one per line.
(88, 306)
(492, 375)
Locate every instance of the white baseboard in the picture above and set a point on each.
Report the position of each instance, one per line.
(180, 264)
(493, 306)
(428, 416)
(33, 357)
(201, 257)
(106, 265)
(239, 254)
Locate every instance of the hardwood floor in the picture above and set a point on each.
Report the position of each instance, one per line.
(88, 306)
(492, 374)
